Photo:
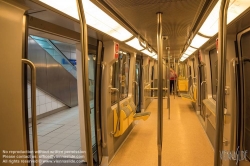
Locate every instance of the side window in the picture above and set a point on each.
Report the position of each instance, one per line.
(214, 71)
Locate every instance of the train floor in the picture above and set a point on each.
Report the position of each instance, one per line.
(184, 139)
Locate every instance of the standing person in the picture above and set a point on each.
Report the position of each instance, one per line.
(172, 78)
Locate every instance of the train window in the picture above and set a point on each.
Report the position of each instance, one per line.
(214, 71)
(120, 72)
(182, 71)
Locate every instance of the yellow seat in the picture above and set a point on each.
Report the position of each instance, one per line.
(191, 96)
(127, 116)
(182, 85)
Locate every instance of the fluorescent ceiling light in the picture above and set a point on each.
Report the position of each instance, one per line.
(135, 44)
(155, 56)
(236, 7)
(185, 56)
(95, 17)
(198, 41)
(148, 53)
(210, 26)
(190, 50)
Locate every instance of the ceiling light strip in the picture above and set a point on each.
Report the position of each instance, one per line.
(95, 17)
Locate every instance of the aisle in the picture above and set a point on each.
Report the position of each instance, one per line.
(184, 139)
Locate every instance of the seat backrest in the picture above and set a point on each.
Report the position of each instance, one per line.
(132, 105)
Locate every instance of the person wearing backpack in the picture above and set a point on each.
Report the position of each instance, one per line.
(172, 78)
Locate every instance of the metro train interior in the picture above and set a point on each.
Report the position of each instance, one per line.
(125, 82)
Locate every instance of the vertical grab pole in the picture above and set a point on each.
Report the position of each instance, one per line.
(85, 83)
(221, 82)
(169, 83)
(175, 80)
(160, 87)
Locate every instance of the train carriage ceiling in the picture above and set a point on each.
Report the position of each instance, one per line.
(180, 17)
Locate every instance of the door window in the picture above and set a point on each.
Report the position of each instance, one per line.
(120, 77)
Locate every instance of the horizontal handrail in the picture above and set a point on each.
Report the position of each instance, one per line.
(155, 88)
(203, 82)
(114, 89)
(155, 97)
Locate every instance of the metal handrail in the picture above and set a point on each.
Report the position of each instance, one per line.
(155, 88)
(221, 82)
(55, 47)
(174, 81)
(234, 62)
(169, 83)
(114, 89)
(156, 97)
(203, 82)
(160, 86)
(201, 93)
(85, 85)
(118, 112)
(33, 106)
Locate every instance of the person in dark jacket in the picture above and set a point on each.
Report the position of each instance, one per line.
(172, 78)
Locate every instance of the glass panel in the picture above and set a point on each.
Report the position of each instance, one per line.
(92, 67)
(245, 40)
(124, 70)
(120, 72)
(182, 71)
(152, 81)
(203, 91)
(114, 70)
(214, 71)
(137, 88)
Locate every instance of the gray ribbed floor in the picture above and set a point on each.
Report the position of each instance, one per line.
(184, 139)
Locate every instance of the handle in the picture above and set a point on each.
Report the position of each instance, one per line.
(33, 106)
(234, 62)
